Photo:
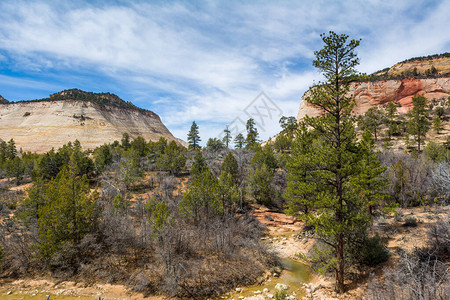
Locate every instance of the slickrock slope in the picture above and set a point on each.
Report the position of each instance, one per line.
(39, 126)
(401, 90)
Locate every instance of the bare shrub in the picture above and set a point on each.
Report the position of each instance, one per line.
(409, 178)
(412, 279)
(17, 241)
(441, 180)
(422, 274)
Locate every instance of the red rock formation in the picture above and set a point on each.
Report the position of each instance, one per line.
(377, 93)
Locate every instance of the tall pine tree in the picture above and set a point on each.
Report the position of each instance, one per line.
(194, 137)
(331, 174)
(227, 136)
(418, 124)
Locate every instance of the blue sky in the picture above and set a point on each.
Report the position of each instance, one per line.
(202, 60)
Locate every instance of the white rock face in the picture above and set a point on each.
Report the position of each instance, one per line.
(40, 126)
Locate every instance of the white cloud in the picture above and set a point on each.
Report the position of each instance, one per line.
(209, 59)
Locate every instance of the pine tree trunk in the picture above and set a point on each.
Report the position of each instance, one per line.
(340, 264)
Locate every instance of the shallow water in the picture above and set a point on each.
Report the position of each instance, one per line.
(294, 275)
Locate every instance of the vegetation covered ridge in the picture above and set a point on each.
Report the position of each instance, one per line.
(428, 57)
(413, 72)
(3, 100)
(102, 99)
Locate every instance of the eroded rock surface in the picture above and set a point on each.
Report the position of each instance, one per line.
(40, 126)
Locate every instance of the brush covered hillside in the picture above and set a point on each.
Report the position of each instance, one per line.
(255, 222)
(428, 76)
(92, 118)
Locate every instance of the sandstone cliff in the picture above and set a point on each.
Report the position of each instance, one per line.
(378, 92)
(38, 126)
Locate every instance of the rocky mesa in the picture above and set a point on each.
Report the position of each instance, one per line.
(92, 118)
(429, 76)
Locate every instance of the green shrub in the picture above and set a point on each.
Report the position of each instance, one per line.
(280, 294)
(410, 222)
(373, 251)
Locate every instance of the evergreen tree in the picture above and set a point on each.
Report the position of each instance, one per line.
(264, 156)
(228, 191)
(102, 157)
(328, 163)
(160, 217)
(16, 169)
(418, 124)
(11, 150)
(239, 141)
(68, 213)
(199, 165)
(28, 210)
(202, 197)
(230, 166)
(372, 121)
(194, 137)
(390, 114)
(227, 137)
(252, 134)
(214, 145)
(48, 166)
(261, 185)
(129, 170)
(288, 125)
(3, 155)
(173, 159)
(125, 142)
(437, 125)
(282, 143)
(139, 145)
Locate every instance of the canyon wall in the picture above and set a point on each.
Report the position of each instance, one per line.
(377, 93)
(42, 125)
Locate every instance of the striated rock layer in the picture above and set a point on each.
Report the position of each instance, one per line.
(378, 93)
(40, 126)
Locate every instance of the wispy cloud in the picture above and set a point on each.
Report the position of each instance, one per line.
(206, 60)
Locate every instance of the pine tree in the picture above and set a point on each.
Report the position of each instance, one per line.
(125, 142)
(390, 118)
(194, 137)
(173, 159)
(199, 165)
(228, 191)
(330, 170)
(214, 145)
(202, 198)
(239, 141)
(418, 124)
(227, 137)
(252, 134)
(372, 120)
(3, 155)
(230, 165)
(261, 185)
(102, 157)
(11, 150)
(288, 125)
(68, 212)
(437, 125)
